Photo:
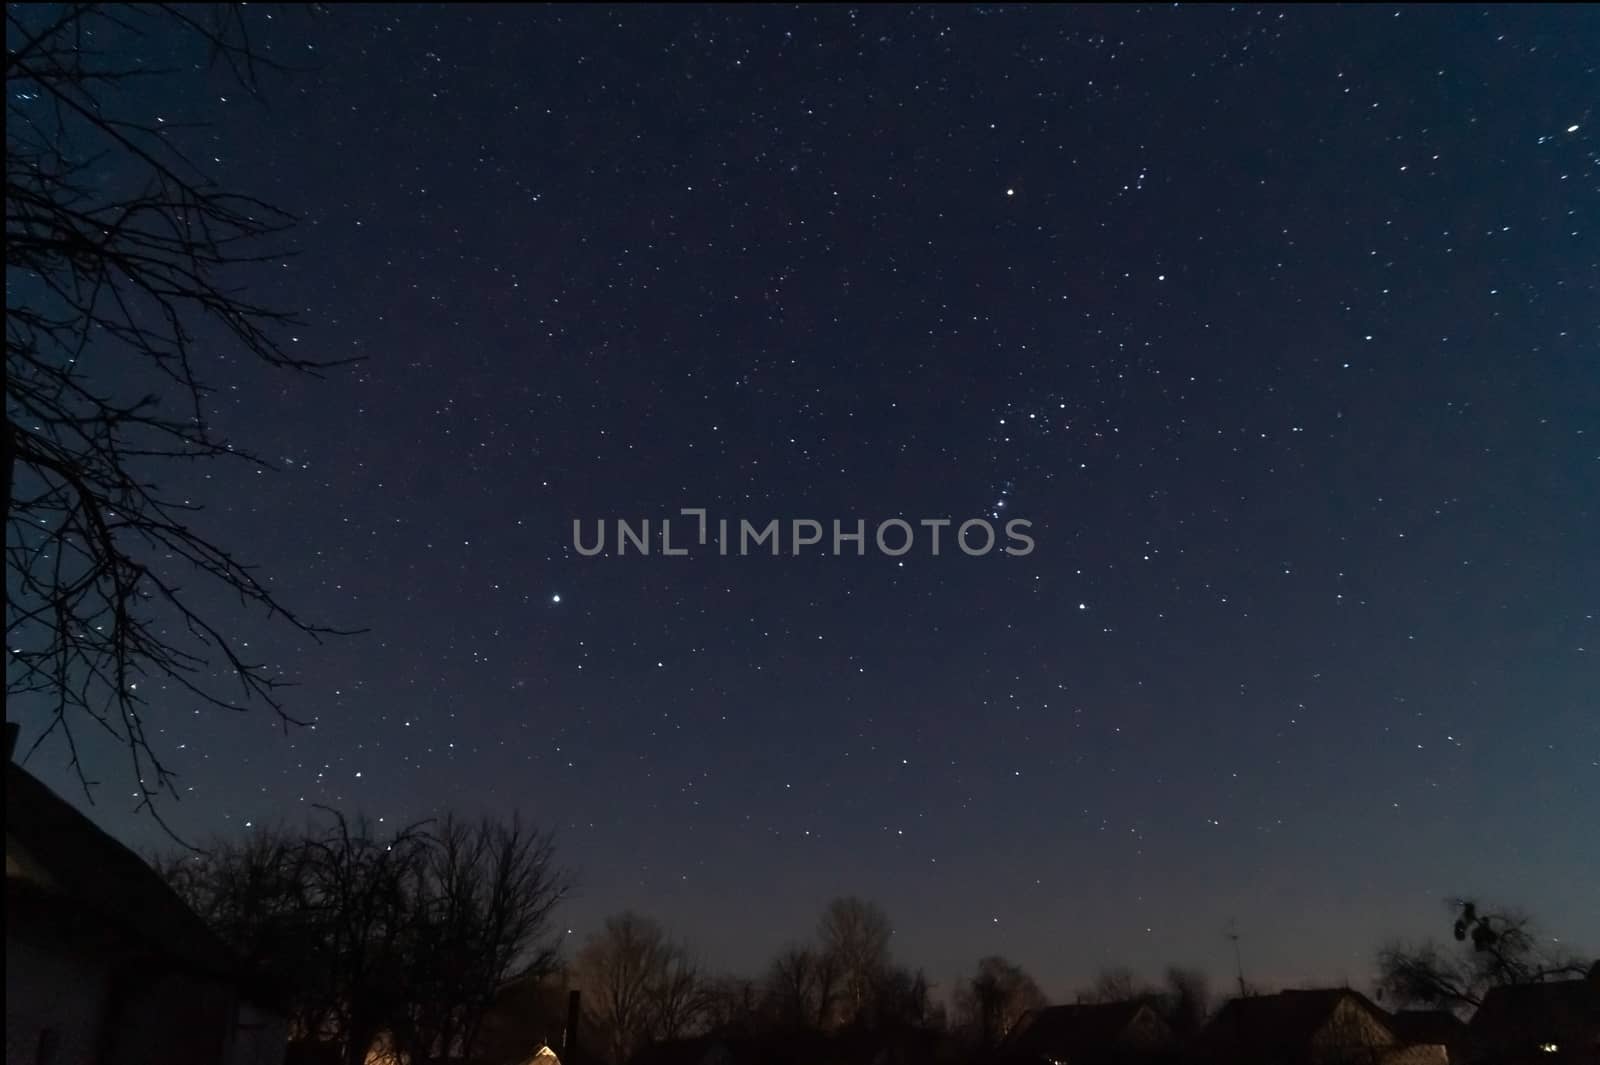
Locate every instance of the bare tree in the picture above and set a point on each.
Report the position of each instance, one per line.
(483, 897)
(123, 270)
(394, 940)
(802, 988)
(1495, 947)
(326, 914)
(902, 998)
(855, 934)
(680, 993)
(641, 987)
(1116, 983)
(359, 881)
(1185, 1000)
(990, 1004)
(262, 895)
(733, 1004)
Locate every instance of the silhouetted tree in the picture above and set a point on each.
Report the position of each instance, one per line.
(394, 940)
(802, 988)
(734, 1004)
(854, 934)
(327, 914)
(124, 263)
(484, 894)
(681, 996)
(615, 969)
(266, 897)
(902, 998)
(1185, 1000)
(989, 1004)
(639, 986)
(1494, 948)
(1116, 983)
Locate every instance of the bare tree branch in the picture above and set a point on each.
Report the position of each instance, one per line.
(385, 943)
(123, 276)
(1496, 948)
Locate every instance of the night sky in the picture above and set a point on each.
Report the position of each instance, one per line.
(1281, 326)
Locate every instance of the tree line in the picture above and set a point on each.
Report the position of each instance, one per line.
(398, 941)
(641, 986)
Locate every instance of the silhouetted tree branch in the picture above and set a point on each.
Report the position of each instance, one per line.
(854, 934)
(1496, 948)
(991, 1003)
(483, 896)
(734, 1005)
(123, 265)
(1186, 1000)
(387, 943)
(802, 988)
(1117, 983)
(1183, 999)
(639, 986)
(902, 998)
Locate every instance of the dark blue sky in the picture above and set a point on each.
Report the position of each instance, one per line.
(1280, 325)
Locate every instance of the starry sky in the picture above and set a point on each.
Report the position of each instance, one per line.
(1280, 325)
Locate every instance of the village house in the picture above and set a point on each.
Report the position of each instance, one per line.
(1432, 1028)
(1334, 1026)
(1113, 1033)
(1556, 1022)
(104, 963)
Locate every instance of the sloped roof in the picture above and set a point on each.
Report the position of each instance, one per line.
(1555, 1011)
(1069, 1031)
(1428, 1026)
(1276, 1027)
(66, 865)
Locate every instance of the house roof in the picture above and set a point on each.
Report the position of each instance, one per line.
(1276, 1027)
(1555, 1011)
(1428, 1026)
(59, 862)
(1066, 1031)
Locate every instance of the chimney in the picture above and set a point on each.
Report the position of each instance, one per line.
(569, 1039)
(12, 730)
